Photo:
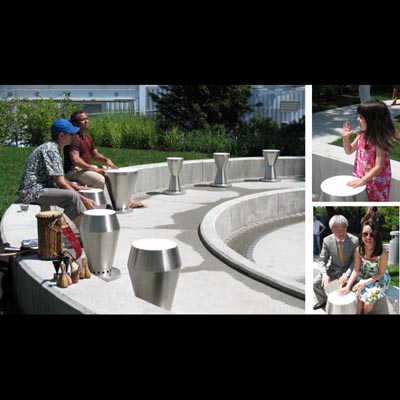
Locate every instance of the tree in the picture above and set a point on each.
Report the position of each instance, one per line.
(192, 107)
(354, 215)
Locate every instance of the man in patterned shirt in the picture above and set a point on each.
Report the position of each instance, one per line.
(43, 180)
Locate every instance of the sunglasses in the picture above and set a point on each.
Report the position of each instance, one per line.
(366, 234)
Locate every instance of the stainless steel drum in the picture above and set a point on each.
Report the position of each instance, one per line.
(154, 266)
(270, 157)
(97, 195)
(335, 189)
(174, 166)
(100, 230)
(120, 184)
(221, 160)
(338, 304)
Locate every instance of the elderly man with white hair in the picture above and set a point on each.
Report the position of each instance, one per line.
(336, 258)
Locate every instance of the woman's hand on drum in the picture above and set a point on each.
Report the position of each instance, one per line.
(89, 203)
(359, 286)
(343, 291)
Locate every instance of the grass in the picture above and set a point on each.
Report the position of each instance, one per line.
(329, 103)
(394, 153)
(13, 159)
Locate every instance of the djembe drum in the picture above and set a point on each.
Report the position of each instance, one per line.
(50, 230)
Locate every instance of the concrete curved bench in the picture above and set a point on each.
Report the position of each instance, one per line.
(233, 215)
(156, 176)
(36, 294)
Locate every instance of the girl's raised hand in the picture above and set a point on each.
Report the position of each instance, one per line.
(346, 132)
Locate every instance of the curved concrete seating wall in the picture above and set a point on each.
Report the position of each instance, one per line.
(329, 160)
(230, 216)
(152, 176)
(36, 296)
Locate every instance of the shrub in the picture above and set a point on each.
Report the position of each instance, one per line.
(30, 120)
(7, 122)
(208, 141)
(171, 140)
(291, 138)
(201, 107)
(262, 133)
(34, 118)
(135, 131)
(257, 134)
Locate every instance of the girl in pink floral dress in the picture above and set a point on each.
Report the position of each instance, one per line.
(373, 143)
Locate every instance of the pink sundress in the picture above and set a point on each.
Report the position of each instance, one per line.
(378, 188)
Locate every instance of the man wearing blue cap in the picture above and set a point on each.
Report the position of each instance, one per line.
(43, 180)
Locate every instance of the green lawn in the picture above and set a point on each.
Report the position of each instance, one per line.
(394, 154)
(13, 159)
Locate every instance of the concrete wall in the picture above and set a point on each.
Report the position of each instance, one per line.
(33, 296)
(223, 220)
(156, 176)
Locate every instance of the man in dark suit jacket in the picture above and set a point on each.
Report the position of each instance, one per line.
(332, 264)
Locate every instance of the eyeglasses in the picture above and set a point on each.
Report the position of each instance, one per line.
(366, 234)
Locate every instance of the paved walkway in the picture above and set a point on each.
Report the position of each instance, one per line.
(327, 125)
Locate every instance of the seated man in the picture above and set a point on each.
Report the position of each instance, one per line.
(43, 180)
(336, 259)
(77, 157)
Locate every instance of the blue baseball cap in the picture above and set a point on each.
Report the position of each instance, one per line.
(63, 125)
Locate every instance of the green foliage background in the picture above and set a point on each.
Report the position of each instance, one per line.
(194, 107)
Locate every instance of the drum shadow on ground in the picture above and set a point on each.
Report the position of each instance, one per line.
(154, 193)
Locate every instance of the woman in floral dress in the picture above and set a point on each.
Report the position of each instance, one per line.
(369, 273)
(373, 143)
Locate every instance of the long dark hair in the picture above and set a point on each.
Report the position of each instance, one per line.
(374, 215)
(380, 128)
(378, 247)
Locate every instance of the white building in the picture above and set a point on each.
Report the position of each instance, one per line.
(282, 103)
